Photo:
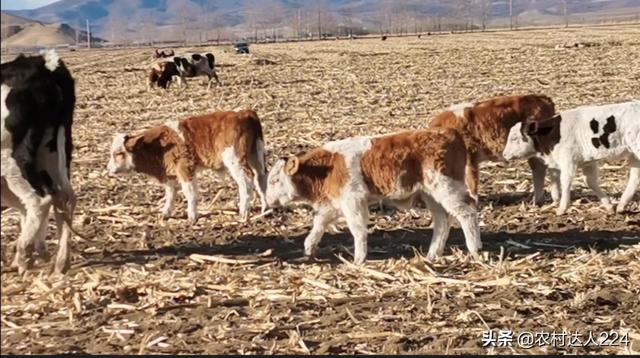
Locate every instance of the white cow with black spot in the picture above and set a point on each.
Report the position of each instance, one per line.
(579, 138)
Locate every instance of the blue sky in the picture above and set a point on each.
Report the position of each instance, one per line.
(23, 4)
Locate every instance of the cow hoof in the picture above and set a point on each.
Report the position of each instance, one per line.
(561, 211)
(309, 258)
(620, 209)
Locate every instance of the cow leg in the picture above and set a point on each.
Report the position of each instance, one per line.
(63, 258)
(554, 176)
(259, 171)
(324, 216)
(35, 224)
(56, 164)
(190, 191)
(538, 172)
(36, 209)
(40, 242)
(214, 75)
(567, 172)
(453, 197)
(471, 178)
(441, 227)
(260, 185)
(632, 185)
(590, 172)
(169, 198)
(8, 199)
(238, 172)
(356, 213)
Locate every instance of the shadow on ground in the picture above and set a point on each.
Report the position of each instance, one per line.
(381, 244)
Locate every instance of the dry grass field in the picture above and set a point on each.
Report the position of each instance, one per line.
(144, 285)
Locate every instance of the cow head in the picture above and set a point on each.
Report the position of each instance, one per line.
(121, 157)
(280, 187)
(168, 71)
(530, 137)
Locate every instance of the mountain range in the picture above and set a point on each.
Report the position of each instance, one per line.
(107, 16)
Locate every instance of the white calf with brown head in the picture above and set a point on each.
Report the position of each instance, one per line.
(345, 177)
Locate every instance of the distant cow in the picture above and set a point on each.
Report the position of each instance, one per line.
(38, 100)
(346, 176)
(174, 151)
(162, 54)
(579, 138)
(189, 66)
(485, 127)
(157, 71)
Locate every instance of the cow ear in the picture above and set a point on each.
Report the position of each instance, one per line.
(530, 128)
(132, 143)
(292, 165)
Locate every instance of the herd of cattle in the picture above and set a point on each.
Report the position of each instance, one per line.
(437, 166)
(164, 72)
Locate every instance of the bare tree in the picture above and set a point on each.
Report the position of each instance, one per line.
(463, 11)
(484, 11)
(511, 14)
(115, 28)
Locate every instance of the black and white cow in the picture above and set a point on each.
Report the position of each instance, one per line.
(37, 105)
(189, 66)
(579, 138)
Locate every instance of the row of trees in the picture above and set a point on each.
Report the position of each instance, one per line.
(202, 21)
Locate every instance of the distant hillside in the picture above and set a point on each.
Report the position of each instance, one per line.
(17, 31)
(117, 18)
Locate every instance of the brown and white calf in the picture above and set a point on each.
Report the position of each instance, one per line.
(485, 127)
(37, 105)
(579, 138)
(346, 176)
(156, 72)
(174, 151)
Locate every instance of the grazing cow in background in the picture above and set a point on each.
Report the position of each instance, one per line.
(162, 54)
(485, 127)
(346, 176)
(189, 66)
(174, 151)
(579, 138)
(158, 69)
(38, 100)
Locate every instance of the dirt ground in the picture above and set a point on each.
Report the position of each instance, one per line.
(144, 285)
